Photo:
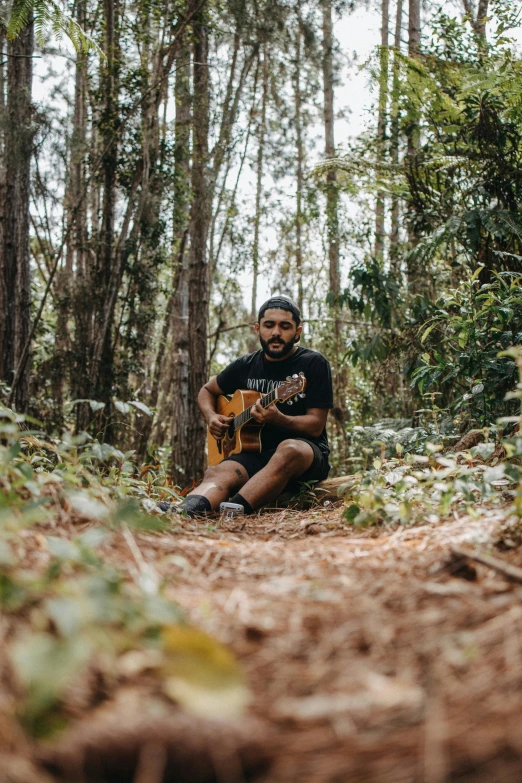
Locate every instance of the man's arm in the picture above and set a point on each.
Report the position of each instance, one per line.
(207, 398)
(311, 423)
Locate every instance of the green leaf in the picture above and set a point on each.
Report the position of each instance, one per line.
(351, 512)
(463, 338)
(428, 331)
(141, 407)
(122, 407)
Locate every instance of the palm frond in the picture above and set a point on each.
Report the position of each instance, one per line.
(48, 17)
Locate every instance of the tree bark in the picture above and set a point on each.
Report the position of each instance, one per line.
(332, 229)
(259, 184)
(76, 221)
(395, 139)
(15, 316)
(179, 315)
(198, 271)
(412, 133)
(478, 20)
(381, 128)
(299, 161)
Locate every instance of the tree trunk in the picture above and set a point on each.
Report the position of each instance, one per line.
(395, 140)
(15, 316)
(300, 157)
(95, 294)
(413, 51)
(332, 228)
(198, 277)
(179, 315)
(76, 221)
(103, 365)
(259, 185)
(381, 128)
(478, 20)
(412, 134)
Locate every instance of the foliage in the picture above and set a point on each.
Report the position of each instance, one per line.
(414, 487)
(471, 325)
(73, 616)
(49, 19)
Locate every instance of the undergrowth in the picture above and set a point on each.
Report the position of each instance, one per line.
(72, 621)
(413, 488)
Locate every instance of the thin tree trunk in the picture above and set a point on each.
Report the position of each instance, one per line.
(198, 276)
(332, 228)
(395, 140)
(76, 221)
(381, 127)
(96, 308)
(332, 193)
(478, 21)
(15, 316)
(413, 51)
(412, 133)
(259, 184)
(179, 315)
(300, 157)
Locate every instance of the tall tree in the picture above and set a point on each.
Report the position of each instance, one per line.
(395, 136)
(332, 225)
(412, 135)
(381, 126)
(299, 148)
(259, 182)
(198, 269)
(180, 296)
(332, 191)
(17, 147)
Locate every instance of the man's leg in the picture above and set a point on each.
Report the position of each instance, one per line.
(219, 483)
(290, 460)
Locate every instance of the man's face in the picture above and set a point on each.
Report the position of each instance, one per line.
(277, 332)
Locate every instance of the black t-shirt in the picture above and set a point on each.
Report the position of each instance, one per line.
(257, 372)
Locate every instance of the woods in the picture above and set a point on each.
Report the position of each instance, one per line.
(165, 167)
(128, 231)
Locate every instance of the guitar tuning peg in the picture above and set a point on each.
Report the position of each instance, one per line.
(290, 402)
(288, 377)
(302, 396)
(295, 375)
(301, 374)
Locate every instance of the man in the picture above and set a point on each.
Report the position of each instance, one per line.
(293, 440)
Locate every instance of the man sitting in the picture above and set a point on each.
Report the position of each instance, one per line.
(294, 444)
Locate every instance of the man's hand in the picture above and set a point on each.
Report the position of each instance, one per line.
(269, 415)
(218, 425)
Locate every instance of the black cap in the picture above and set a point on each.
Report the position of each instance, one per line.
(280, 302)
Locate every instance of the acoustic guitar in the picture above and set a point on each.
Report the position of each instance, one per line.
(244, 434)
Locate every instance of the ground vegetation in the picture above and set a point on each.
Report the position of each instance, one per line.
(161, 165)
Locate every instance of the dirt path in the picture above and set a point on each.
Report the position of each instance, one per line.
(368, 657)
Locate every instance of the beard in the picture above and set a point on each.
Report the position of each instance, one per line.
(281, 350)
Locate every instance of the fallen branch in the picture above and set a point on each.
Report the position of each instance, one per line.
(512, 573)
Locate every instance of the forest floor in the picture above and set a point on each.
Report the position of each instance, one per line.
(371, 655)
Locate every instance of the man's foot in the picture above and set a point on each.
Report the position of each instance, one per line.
(151, 506)
(164, 506)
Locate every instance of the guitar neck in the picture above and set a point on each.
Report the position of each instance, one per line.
(246, 415)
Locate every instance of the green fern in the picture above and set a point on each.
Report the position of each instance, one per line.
(48, 18)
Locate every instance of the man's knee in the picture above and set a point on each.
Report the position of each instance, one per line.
(225, 475)
(213, 473)
(292, 452)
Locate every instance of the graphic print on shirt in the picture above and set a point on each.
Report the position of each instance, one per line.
(262, 385)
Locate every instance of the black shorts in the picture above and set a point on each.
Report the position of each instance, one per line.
(253, 462)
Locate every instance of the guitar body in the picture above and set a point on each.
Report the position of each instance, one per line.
(247, 437)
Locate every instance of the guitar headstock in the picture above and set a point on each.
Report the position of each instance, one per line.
(293, 385)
